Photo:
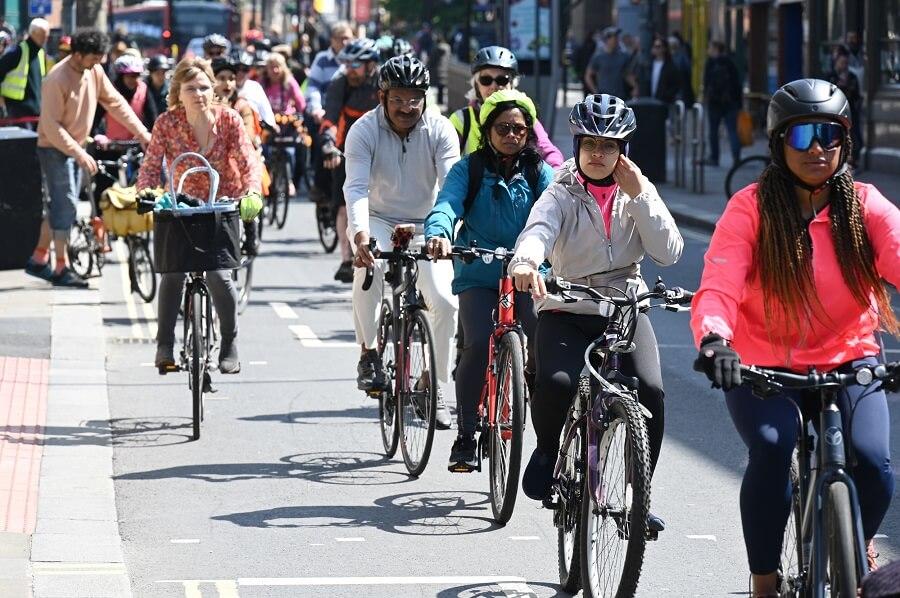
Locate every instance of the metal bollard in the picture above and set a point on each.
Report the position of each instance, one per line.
(697, 148)
(678, 125)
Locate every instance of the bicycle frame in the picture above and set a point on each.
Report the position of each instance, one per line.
(196, 281)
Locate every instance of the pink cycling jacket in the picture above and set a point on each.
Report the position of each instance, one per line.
(730, 299)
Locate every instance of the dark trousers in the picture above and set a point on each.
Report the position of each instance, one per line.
(715, 115)
(560, 341)
(476, 307)
(769, 428)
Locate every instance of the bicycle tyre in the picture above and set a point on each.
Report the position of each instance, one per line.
(284, 199)
(792, 545)
(744, 172)
(197, 358)
(567, 516)
(243, 279)
(418, 415)
(272, 199)
(80, 250)
(840, 542)
(325, 223)
(507, 435)
(632, 528)
(388, 413)
(140, 264)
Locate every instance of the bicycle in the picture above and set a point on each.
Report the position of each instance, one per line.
(501, 408)
(601, 490)
(408, 398)
(243, 274)
(744, 172)
(824, 552)
(280, 167)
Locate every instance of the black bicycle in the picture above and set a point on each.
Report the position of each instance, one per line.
(243, 274)
(745, 172)
(601, 492)
(279, 165)
(408, 398)
(823, 553)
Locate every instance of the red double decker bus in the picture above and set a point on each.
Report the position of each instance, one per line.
(157, 25)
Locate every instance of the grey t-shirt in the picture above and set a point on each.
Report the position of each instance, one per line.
(610, 69)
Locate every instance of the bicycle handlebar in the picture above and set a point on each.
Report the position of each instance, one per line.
(769, 380)
(395, 255)
(672, 297)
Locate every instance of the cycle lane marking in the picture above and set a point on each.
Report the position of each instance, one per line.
(136, 330)
(283, 310)
(309, 339)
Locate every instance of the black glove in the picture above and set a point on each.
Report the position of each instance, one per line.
(720, 363)
(146, 201)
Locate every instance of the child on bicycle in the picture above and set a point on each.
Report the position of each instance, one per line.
(595, 223)
(512, 176)
(805, 234)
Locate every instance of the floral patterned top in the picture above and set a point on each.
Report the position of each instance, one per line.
(231, 155)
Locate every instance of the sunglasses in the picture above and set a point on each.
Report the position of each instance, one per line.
(501, 80)
(354, 65)
(504, 129)
(604, 146)
(801, 136)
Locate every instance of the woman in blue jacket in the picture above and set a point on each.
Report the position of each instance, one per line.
(512, 177)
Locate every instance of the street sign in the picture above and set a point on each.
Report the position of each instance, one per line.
(39, 8)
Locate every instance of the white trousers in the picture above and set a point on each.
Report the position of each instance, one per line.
(434, 282)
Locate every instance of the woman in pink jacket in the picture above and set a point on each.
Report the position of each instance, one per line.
(793, 279)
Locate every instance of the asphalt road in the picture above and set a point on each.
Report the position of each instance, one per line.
(288, 494)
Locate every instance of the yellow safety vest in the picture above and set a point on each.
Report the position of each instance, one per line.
(15, 82)
(474, 136)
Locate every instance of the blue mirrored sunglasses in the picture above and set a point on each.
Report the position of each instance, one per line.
(801, 136)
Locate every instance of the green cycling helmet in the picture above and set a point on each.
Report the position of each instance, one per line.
(504, 96)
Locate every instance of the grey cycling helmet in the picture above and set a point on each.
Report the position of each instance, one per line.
(495, 57)
(361, 50)
(215, 41)
(404, 72)
(602, 115)
(807, 98)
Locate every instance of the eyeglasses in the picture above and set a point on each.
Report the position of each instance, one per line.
(504, 129)
(801, 136)
(414, 103)
(604, 146)
(355, 64)
(501, 80)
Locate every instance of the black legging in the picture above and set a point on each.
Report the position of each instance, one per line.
(560, 341)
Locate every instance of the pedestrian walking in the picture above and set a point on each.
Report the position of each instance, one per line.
(849, 83)
(723, 95)
(659, 79)
(681, 58)
(21, 71)
(607, 69)
(439, 64)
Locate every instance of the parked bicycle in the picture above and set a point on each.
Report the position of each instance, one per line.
(601, 493)
(744, 172)
(408, 398)
(823, 553)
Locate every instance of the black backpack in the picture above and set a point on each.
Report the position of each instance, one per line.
(531, 171)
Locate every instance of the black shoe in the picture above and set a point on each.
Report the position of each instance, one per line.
(369, 371)
(442, 416)
(68, 278)
(462, 455)
(344, 272)
(537, 482)
(654, 523)
(228, 357)
(42, 271)
(165, 359)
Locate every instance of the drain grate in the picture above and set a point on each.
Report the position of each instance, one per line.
(130, 340)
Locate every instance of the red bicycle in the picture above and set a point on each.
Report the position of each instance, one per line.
(501, 409)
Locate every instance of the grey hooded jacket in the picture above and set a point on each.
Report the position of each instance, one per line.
(566, 227)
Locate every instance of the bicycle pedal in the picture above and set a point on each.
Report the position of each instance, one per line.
(461, 468)
(168, 369)
(652, 535)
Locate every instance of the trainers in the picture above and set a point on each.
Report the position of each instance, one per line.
(462, 455)
(344, 272)
(442, 416)
(67, 278)
(369, 372)
(537, 481)
(42, 271)
(872, 555)
(228, 357)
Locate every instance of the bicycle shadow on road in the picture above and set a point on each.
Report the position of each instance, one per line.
(451, 513)
(125, 432)
(494, 591)
(368, 414)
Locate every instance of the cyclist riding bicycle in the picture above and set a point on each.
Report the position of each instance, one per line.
(491, 191)
(388, 47)
(194, 123)
(806, 233)
(352, 93)
(215, 45)
(397, 138)
(495, 68)
(128, 69)
(595, 223)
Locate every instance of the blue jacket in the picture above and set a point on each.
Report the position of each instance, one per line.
(498, 215)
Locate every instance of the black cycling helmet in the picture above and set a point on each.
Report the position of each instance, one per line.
(397, 47)
(222, 63)
(806, 99)
(600, 115)
(404, 72)
(215, 40)
(158, 63)
(362, 50)
(495, 57)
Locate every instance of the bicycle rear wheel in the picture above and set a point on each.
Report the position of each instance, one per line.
(197, 361)
(327, 229)
(843, 576)
(388, 414)
(418, 403)
(81, 249)
(140, 264)
(744, 172)
(567, 515)
(614, 511)
(508, 430)
(281, 186)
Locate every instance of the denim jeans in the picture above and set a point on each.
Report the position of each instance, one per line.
(716, 115)
(62, 176)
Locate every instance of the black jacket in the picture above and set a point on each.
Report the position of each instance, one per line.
(721, 83)
(667, 88)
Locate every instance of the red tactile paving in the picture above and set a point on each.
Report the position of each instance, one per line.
(23, 412)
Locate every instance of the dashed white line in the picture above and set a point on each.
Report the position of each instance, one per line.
(701, 537)
(308, 338)
(376, 581)
(54, 568)
(516, 590)
(524, 538)
(147, 364)
(185, 540)
(227, 589)
(258, 362)
(354, 539)
(283, 310)
(136, 330)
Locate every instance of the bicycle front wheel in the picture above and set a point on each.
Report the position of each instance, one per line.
(744, 172)
(508, 430)
(839, 538)
(388, 414)
(418, 402)
(197, 362)
(567, 515)
(140, 262)
(615, 506)
(327, 230)
(81, 250)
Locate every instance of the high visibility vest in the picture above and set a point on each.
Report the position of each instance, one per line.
(15, 82)
(473, 136)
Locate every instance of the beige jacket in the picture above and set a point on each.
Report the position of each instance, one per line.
(566, 227)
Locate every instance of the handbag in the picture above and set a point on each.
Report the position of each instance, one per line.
(745, 128)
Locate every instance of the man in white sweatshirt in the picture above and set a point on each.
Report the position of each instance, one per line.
(397, 157)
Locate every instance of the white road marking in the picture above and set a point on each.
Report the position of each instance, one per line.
(47, 568)
(516, 590)
(192, 589)
(523, 538)
(227, 589)
(258, 363)
(149, 314)
(136, 330)
(355, 539)
(316, 544)
(147, 364)
(374, 581)
(309, 339)
(701, 537)
(881, 536)
(692, 234)
(283, 310)
(185, 540)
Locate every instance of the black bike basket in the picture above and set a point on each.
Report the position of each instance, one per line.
(197, 242)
